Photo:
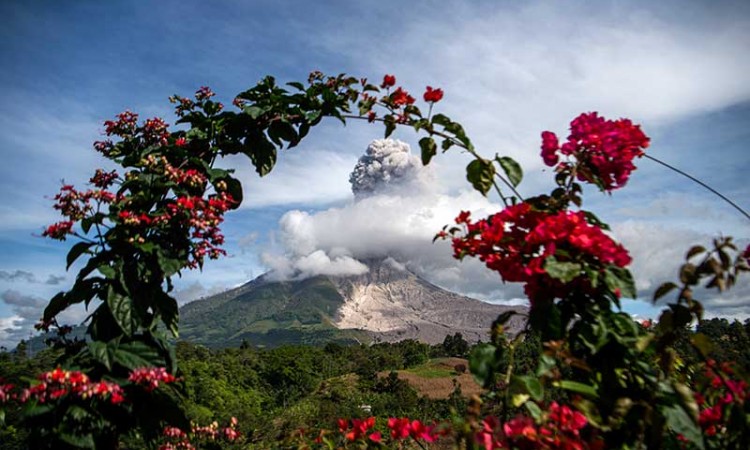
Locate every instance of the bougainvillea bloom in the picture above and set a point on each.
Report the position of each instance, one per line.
(401, 98)
(518, 241)
(603, 150)
(433, 95)
(388, 81)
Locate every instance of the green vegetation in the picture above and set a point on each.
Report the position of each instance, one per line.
(269, 314)
(274, 392)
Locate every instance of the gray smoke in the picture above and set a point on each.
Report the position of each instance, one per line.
(388, 166)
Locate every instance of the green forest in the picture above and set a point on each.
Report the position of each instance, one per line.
(276, 392)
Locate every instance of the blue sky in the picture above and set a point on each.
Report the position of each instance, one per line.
(509, 69)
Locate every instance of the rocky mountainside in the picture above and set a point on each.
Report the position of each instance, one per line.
(388, 303)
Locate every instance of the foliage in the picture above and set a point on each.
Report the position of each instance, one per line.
(621, 385)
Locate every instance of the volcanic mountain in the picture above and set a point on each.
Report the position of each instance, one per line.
(388, 303)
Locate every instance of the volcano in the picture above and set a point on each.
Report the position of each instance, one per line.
(388, 303)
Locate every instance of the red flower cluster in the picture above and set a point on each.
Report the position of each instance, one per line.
(604, 149)
(6, 392)
(433, 95)
(388, 81)
(401, 98)
(59, 383)
(125, 125)
(402, 428)
(102, 179)
(517, 242)
(178, 439)
(59, 230)
(561, 431)
(151, 377)
(204, 93)
(75, 205)
(356, 429)
(155, 131)
(721, 393)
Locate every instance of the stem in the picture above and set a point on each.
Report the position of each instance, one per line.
(719, 194)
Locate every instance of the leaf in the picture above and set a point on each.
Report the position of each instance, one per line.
(680, 422)
(429, 149)
(136, 354)
(534, 410)
(122, 310)
(575, 386)
(519, 399)
(687, 274)
(663, 290)
(76, 251)
(511, 168)
(78, 441)
(694, 250)
(531, 385)
(482, 364)
(563, 271)
(234, 188)
(169, 312)
(480, 173)
(503, 318)
(702, 343)
(441, 119)
(254, 111)
(620, 278)
(168, 265)
(57, 304)
(101, 352)
(261, 151)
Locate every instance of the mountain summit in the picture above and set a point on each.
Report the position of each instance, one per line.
(387, 303)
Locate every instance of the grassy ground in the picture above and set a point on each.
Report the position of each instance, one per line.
(434, 379)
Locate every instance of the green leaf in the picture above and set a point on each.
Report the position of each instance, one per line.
(254, 111)
(122, 311)
(531, 385)
(429, 149)
(511, 168)
(480, 173)
(78, 441)
(563, 271)
(261, 152)
(679, 421)
(702, 343)
(169, 266)
(575, 386)
(534, 410)
(76, 251)
(101, 352)
(136, 354)
(482, 364)
(619, 278)
(169, 312)
(441, 119)
(594, 220)
(663, 290)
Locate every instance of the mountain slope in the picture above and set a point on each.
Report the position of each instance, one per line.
(388, 303)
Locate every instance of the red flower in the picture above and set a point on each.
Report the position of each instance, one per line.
(59, 230)
(180, 142)
(388, 81)
(433, 95)
(401, 97)
(550, 145)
